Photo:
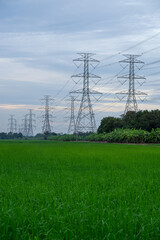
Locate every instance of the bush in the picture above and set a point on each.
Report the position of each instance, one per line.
(127, 136)
(116, 136)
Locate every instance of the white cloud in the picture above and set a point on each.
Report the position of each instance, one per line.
(11, 69)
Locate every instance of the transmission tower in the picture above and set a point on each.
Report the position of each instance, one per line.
(132, 61)
(30, 123)
(47, 116)
(12, 124)
(19, 128)
(71, 128)
(85, 121)
(25, 126)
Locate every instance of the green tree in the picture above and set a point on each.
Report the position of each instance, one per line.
(108, 124)
(145, 120)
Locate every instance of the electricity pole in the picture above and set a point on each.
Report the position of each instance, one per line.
(25, 125)
(131, 104)
(85, 121)
(47, 116)
(30, 123)
(71, 128)
(12, 124)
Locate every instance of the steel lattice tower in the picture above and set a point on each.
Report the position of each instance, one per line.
(71, 128)
(47, 115)
(12, 124)
(30, 123)
(131, 104)
(25, 125)
(19, 128)
(85, 121)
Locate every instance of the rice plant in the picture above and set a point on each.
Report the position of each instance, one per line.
(63, 190)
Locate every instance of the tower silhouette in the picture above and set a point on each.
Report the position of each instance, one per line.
(71, 128)
(12, 124)
(131, 104)
(47, 116)
(30, 123)
(85, 121)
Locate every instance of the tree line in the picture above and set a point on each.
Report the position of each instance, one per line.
(10, 135)
(145, 120)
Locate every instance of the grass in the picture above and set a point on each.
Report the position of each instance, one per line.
(54, 190)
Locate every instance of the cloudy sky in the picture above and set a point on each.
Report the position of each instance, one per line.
(40, 38)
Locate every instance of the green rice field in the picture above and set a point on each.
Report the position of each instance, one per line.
(63, 190)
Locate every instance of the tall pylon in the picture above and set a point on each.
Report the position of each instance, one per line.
(72, 124)
(131, 104)
(12, 124)
(47, 116)
(19, 130)
(85, 121)
(30, 123)
(25, 126)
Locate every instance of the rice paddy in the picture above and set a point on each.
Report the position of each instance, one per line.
(62, 190)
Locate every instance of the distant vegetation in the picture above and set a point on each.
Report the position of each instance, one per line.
(10, 135)
(127, 136)
(116, 136)
(145, 120)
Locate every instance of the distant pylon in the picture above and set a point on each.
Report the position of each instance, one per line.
(47, 116)
(85, 121)
(19, 130)
(30, 123)
(71, 128)
(131, 104)
(25, 126)
(12, 124)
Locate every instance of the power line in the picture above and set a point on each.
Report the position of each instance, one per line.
(131, 47)
(150, 50)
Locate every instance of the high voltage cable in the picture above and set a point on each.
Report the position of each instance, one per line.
(151, 63)
(108, 94)
(107, 65)
(153, 74)
(111, 78)
(104, 108)
(135, 45)
(150, 68)
(148, 51)
(62, 88)
(68, 93)
(146, 40)
(64, 85)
